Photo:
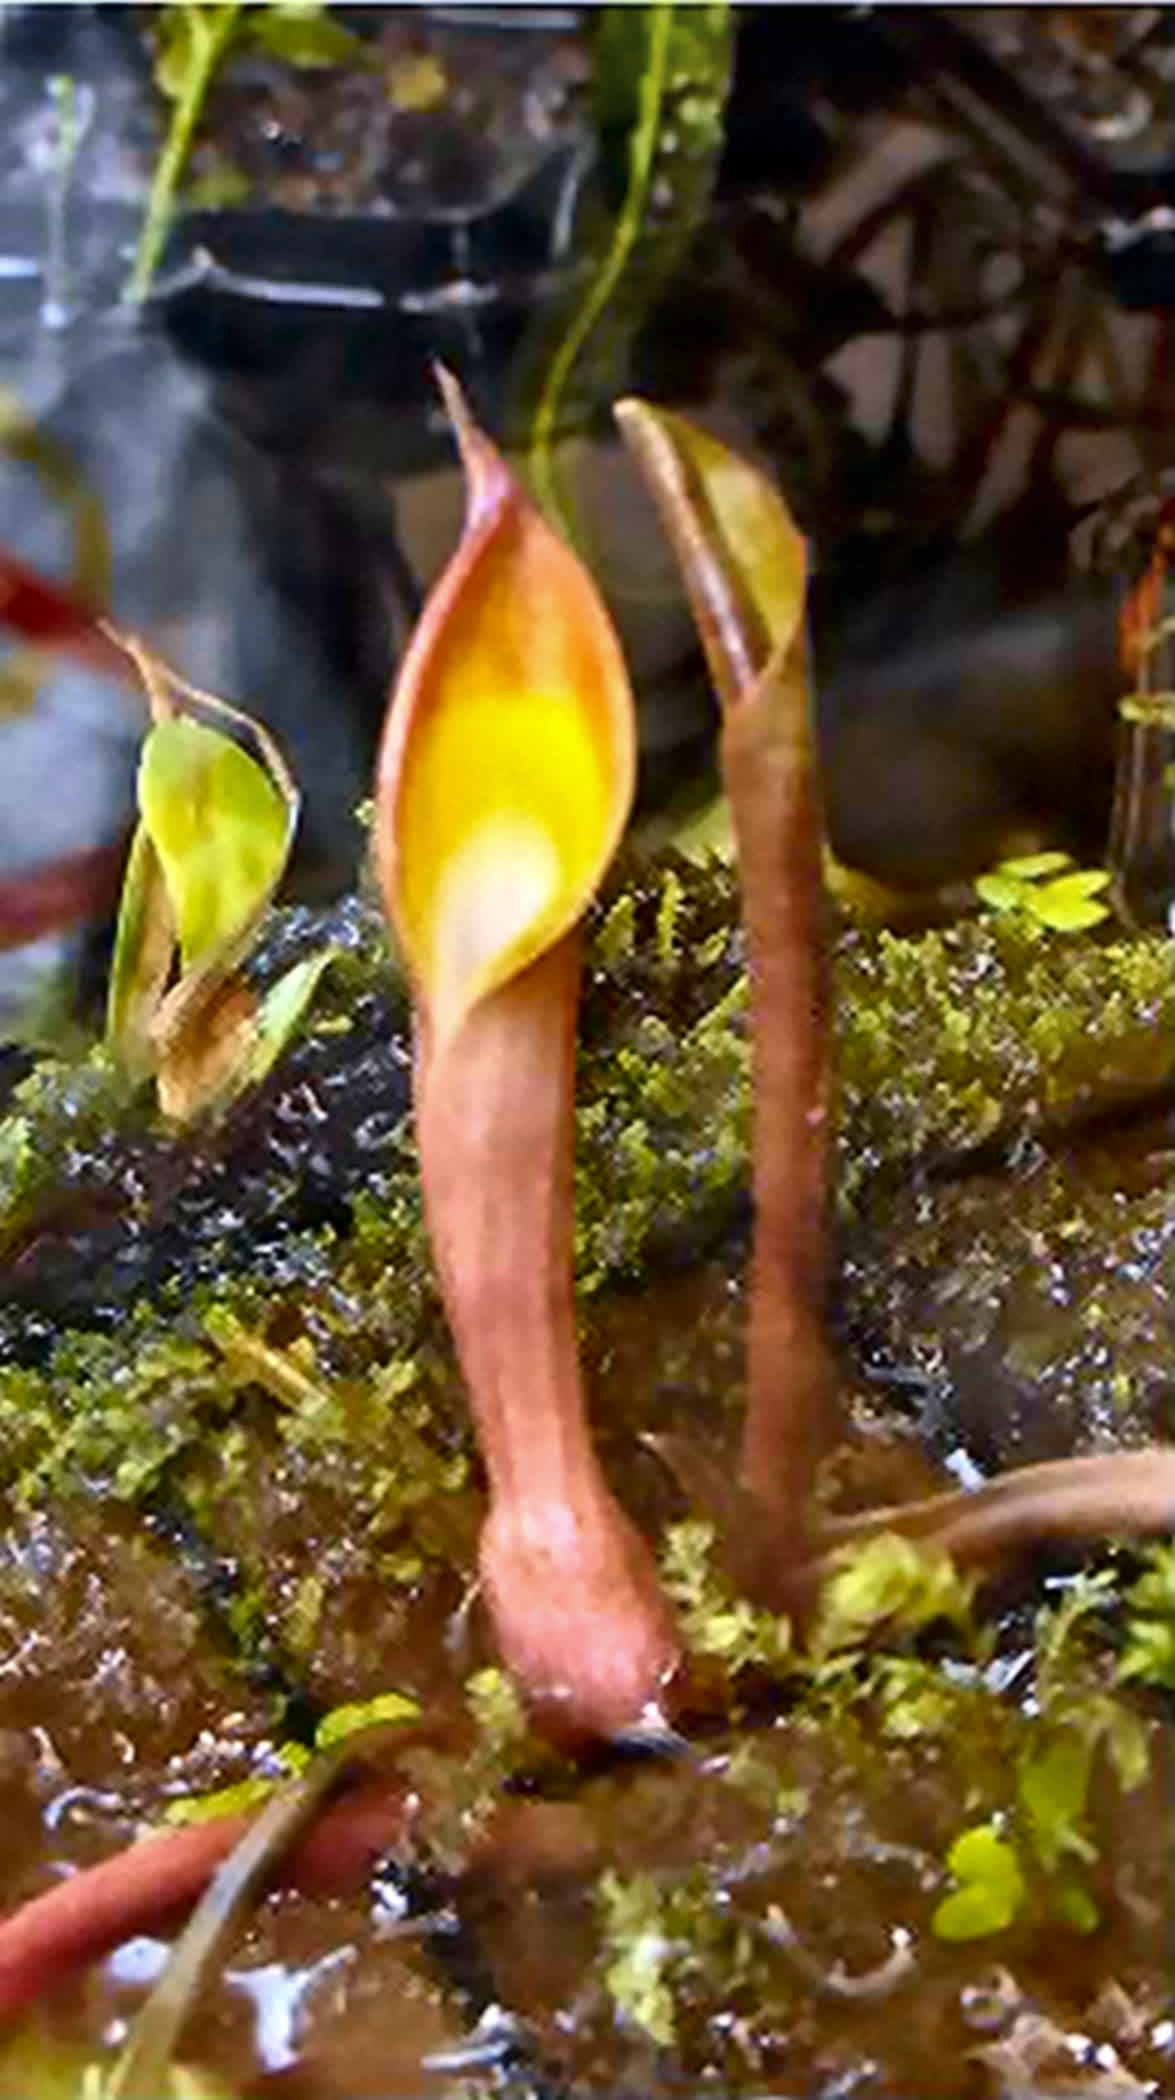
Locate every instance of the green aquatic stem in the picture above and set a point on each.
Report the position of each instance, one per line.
(642, 158)
(210, 31)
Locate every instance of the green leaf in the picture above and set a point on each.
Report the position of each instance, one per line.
(1155, 1589)
(991, 1887)
(635, 1929)
(1001, 892)
(1060, 1627)
(245, 1794)
(1149, 1654)
(364, 1713)
(282, 1009)
(1074, 1906)
(306, 36)
(220, 828)
(893, 1582)
(224, 1801)
(1149, 710)
(1054, 1791)
(144, 949)
(1028, 867)
(1068, 904)
(1127, 1742)
(497, 1710)
(181, 35)
(713, 1620)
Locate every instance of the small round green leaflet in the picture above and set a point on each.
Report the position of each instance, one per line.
(1070, 903)
(1067, 902)
(220, 828)
(991, 1887)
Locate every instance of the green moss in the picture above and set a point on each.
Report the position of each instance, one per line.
(715, 1623)
(61, 1110)
(951, 1038)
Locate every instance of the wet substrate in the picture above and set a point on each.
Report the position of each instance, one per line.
(251, 1495)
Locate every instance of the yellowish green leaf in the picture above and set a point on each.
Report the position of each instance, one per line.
(144, 950)
(282, 1009)
(224, 1801)
(991, 1888)
(1149, 710)
(307, 37)
(220, 828)
(1029, 867)
(743, 561)
(1054, 1790)
(381, 1711)
(1073, 1904)
(1001, 892)
(1070, 903)
(891, 1582)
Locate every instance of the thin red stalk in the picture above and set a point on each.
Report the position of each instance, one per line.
(1115, 1494)
(46, 615)
(570, 1585)
(756, 651)
(768, 773)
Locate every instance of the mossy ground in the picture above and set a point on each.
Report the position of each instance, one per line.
(241, 1488)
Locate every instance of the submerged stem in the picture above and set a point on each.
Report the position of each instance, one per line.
(571, 1587)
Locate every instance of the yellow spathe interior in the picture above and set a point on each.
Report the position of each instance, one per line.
(515, 762)
(504, 809)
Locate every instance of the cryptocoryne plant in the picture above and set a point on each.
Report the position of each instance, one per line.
(211, 845)
(504, 783)
(503, 789)
(742, 563)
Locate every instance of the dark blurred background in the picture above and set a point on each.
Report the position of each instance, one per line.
(921, 263)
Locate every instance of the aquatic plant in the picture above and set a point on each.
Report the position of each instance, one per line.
(211, 846)
(743, 567)
(504, 784)
(193, 40)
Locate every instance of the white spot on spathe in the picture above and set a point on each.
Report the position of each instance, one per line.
(497, 885)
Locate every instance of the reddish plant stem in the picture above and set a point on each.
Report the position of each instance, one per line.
(769, 776)
(46, 615)
(151, 1884)
(570, 1585)
(1067, 1500)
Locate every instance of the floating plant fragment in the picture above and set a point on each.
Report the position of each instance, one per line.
(1047, 889)
(744, 572)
